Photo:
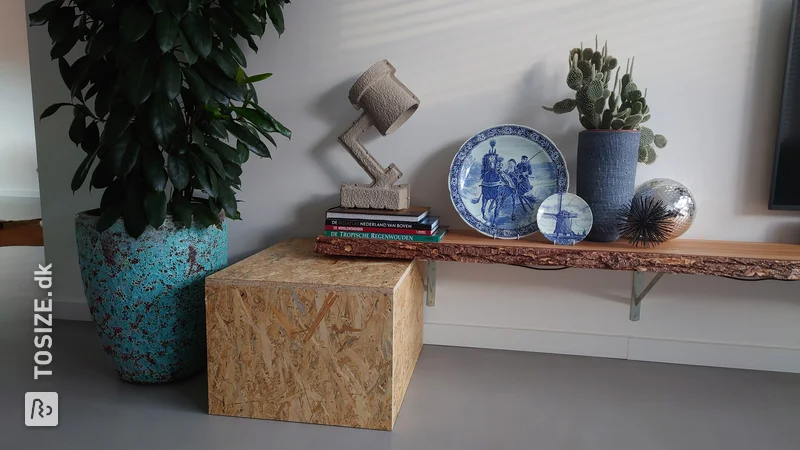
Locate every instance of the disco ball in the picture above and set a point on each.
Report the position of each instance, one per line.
(676, 197)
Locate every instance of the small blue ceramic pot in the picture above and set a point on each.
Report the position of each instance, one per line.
(146, 295)
(606, 177)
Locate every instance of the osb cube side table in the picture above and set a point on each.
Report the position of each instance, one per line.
(297, 336)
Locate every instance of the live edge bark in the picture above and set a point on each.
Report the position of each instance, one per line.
(564, 257)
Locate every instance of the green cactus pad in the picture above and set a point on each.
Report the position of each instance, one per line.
(585, 104)
(599, 105)
(633, 120)
(635, 95)
(575, 79)
(617, 124)
(651, 156)
(586, 68)
(626, 79)
(605, 124)
(612, 101)
(660, 141)
(647, 136)
(636, 108)
(629, 88)
(645, 118)
(562, 107)
(588, 52)
(587, 123)
(612, 63)
(595, 90)
(606, 93)
(624, 113)
(643, 150)
(597, 60)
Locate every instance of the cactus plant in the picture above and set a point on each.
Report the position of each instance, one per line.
(622, 106)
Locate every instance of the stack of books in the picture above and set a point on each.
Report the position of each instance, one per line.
(413, 224)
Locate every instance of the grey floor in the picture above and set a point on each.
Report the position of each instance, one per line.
(459, 399)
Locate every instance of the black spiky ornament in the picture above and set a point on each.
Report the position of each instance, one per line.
(646, 222)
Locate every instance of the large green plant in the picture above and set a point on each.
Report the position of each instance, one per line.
(158, 91)
(622, 107)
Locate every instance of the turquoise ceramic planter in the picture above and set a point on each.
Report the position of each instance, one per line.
(146, 295)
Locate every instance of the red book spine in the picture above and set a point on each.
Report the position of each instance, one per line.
(379, 230)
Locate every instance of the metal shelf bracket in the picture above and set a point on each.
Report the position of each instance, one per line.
(639, 291)
(430, 283)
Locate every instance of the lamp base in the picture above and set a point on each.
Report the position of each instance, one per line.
(355, 195)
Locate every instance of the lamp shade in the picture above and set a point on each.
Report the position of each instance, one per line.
(382, 97)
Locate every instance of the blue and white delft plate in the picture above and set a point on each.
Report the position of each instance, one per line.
(564, 219)
(501, 175)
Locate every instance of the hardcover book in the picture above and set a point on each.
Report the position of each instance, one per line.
(429, 224)
(380, 230)
(413, 214)
(436, 237)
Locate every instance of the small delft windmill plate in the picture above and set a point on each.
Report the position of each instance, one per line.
(501, 175)
(564, 219)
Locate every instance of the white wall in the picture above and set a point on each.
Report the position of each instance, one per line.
(714, 72)
(17, 141)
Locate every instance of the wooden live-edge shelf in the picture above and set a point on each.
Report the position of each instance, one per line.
(687, 256)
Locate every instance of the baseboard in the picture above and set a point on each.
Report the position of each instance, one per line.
(735, 356)
(712, 354)
(566, 343)
(18, 193)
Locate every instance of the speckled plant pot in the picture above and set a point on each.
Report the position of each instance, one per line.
(146, 295)
(606, 177)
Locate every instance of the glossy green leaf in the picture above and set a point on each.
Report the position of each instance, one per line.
(134, 21)
(204, 215)
(50, 110)
(105, 96)
(66, 71)
(169, 77)
(227, 199)
(166, 31)
(103, 42)
(243, 150)
(133, 213)
(118, 121)
(216, 78)
(113, 194)
(64, 46)
(162, 120)
(137, 82)
(129, 158)
(225, 61)
(178, 7)
(201, 173)
(155, 208)
(244, 135)
(276, 16)
(77, 128)
(210, 158)
(45, 13)
(224, 150)
(275, 125)
(232, 47)
(83, 171)
(157, 5)
(197, 86)
(103, 174)
(91, 137)
(79, 73)
(257, 78)
(155, 175)
(60, 24)
(181, 211)
(188, 52)
(179, 171)
(109, 216)
(250, 23)
(198, 32)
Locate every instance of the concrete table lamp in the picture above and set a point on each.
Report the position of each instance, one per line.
(386, 105)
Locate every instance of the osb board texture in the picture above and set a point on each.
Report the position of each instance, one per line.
(294, 261)
(407, 337)
(321, 356)
(720, 258)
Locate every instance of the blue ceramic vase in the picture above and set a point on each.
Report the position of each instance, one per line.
(146, 295)
(606, 177)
